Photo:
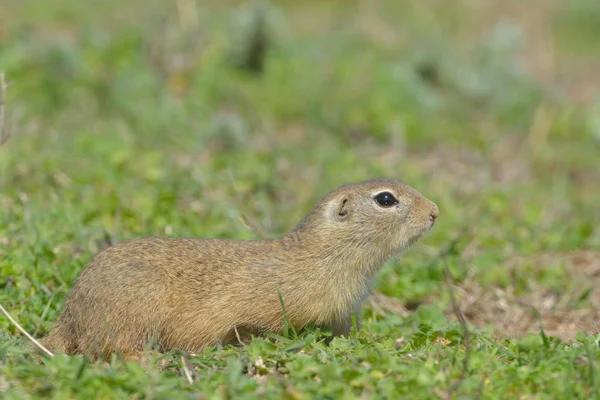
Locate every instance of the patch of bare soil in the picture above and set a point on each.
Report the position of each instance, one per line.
(561, 314)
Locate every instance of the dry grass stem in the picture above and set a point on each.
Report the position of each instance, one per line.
(187, 370)
(24, 332)
(237, 335)
(461, 319)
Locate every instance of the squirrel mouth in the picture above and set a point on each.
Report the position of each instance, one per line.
(414, 238)
(424, 230)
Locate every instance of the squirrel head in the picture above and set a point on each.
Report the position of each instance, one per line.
(378, 217)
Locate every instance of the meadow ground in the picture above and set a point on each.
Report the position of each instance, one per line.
(147, 118)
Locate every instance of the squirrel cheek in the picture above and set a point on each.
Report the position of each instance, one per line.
(404, 237)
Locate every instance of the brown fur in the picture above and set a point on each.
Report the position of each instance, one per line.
(192, 293)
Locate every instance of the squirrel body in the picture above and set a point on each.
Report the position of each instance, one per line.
(188, 294)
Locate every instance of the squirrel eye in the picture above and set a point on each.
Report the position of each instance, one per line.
(386, 199)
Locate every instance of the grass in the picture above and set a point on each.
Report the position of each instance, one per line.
(130, 121)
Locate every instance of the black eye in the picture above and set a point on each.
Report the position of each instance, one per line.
(386, 199)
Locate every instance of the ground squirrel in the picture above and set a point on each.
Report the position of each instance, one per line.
(188, 294)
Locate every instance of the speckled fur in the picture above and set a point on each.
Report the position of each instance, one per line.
(192, 293)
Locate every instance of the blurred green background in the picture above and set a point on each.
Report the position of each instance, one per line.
(231, 119)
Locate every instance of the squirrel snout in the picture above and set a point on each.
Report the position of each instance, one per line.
(434, 212)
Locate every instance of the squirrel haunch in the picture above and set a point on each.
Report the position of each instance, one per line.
(192, 293)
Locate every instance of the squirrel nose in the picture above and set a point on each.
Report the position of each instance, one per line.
(433, 214)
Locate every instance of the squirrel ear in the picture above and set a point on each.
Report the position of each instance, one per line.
(342, 211)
